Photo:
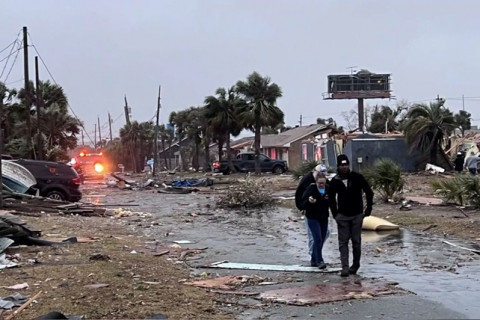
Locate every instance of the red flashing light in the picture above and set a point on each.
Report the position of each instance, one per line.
(82, 154)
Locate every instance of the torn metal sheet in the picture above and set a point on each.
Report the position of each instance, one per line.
(5, 243)
(269, 267)
(5, 263)
(323, 293)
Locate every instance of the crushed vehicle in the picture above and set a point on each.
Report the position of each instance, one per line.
(55, 180)
(245, 162)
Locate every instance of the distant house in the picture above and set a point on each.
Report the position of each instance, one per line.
(295, 145)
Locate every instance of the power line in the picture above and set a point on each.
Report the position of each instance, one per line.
(54, 81)
(8, 58)
(14, 42)
(11, 67)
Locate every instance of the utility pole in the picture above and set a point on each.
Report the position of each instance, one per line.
(155, 146)
(83, 143)
(127, 114)
(39, 103)
(300, 120)
(361, 114)
(99, 132)
(110, 125)
(95, 140)
(28, 100)
(463, 102)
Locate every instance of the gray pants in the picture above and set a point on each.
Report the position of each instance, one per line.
(349, 228)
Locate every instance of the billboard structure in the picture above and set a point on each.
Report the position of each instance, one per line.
(361, 85)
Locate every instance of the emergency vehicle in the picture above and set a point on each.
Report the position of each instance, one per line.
(90, 163)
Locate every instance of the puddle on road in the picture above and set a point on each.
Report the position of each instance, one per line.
(421, 264)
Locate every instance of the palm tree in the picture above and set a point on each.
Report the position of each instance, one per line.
(162, 134)
(261, 108)
(427, 126)
(58, 129)
(130, 135)
(221, 111)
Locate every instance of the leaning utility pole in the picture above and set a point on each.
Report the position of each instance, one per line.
(39, 102)
(110, 125)
(99, 132)
(28, 101)
(155, 146)
(95, 140)
(127, 114)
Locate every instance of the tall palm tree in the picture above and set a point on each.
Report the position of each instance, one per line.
(261, 108)
(57, 128)
(221, 111)
(130, 136)
(427, 126)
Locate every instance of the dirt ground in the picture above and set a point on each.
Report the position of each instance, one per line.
(136, 277)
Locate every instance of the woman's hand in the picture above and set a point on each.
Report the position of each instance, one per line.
(312, 199)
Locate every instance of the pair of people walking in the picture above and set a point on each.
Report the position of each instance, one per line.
(343, 195)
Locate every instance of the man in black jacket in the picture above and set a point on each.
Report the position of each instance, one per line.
(346, 205)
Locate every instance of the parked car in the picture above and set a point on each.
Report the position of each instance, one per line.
(245, 162)
(54, 179)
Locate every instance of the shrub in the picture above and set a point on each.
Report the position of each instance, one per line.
(462, 189)
(304, 168)
(385, 177)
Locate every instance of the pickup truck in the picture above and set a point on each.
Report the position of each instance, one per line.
(245, 162)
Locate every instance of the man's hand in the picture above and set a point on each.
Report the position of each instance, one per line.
(368, 211)
(312, 199)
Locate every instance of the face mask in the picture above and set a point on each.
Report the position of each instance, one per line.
(321, 190)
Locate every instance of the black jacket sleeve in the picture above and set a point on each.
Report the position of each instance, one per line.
(332, 198)
(368, 191)
(302, 186)
(308, 192)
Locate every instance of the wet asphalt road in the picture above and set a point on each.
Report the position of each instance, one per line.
(441, 281)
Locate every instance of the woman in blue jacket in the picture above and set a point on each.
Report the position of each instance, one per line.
(316, 204)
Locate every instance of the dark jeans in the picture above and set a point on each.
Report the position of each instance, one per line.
(349, 228)
(473, 171)
(319, 233)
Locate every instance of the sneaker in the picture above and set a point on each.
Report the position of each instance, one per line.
(345, 272)
(322, 265)
(354, 268)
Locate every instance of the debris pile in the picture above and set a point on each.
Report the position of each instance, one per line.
(248, 194)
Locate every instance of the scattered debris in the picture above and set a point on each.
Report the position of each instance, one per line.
(323, 293)
(23, 306)
(406, 206)
(248, 194)
(434, 169)
(270, 267)
(99, 257)
(429, 227)
(378, 224)
(19, 286)
(463, 248)
(96, 285)
(425, 200)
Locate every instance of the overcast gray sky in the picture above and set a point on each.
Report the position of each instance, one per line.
(99, 50)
